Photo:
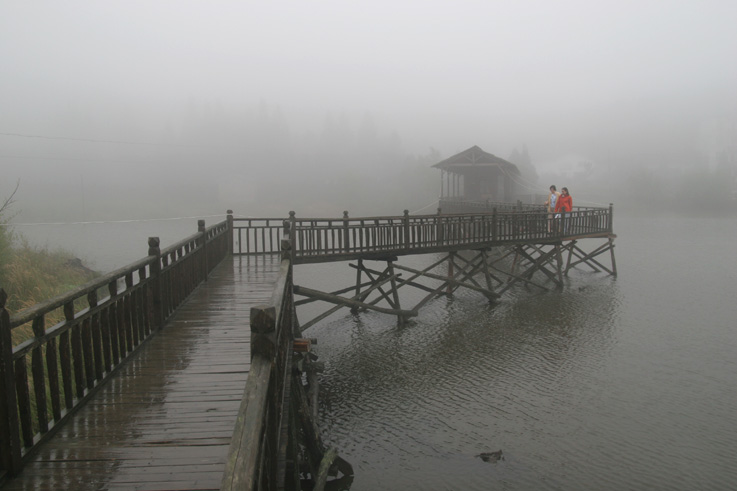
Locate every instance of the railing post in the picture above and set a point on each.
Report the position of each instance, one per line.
(203, 244)
(346, 240)
(494, 232)
(293, 233)
(229, 219)
(263, 331)
(406, 229)
(10, 449)
(439, 232)
(156, 286)
(563, 225)
(611, 217)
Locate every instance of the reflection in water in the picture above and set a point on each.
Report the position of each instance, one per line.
(605, 384)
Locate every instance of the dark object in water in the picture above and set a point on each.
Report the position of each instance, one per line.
(492, 457)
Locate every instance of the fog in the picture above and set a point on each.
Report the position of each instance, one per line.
(139, 109)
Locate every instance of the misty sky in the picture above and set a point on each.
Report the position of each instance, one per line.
(442, 74)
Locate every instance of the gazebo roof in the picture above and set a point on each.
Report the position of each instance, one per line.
(474, 157)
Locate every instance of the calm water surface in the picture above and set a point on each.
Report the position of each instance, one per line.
(626, 383)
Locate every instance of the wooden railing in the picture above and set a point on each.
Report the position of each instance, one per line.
(457, 206)
(52, 372)
(316, 238)
(257, 235)
(256, 459)
(400, 235)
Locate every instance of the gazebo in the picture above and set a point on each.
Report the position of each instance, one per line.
(475, 175)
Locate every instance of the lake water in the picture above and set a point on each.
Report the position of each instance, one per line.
(611, 383)
(608, 384)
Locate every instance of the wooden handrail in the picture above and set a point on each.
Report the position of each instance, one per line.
(258, 442)
(315, 238)
(70, 360)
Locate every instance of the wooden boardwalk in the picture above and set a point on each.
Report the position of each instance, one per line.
(165, 419)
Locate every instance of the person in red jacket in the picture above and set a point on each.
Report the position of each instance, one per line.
(563, 204)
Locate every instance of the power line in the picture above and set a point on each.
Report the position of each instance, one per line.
(90, 140)
(102, 222)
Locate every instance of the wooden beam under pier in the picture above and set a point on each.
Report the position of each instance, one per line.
(300, 290)
(452, 281)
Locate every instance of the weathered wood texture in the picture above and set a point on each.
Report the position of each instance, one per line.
(165, 419)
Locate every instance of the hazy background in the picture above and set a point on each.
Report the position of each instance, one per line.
(146, 109)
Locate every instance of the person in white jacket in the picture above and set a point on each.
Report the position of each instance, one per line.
(550, 203)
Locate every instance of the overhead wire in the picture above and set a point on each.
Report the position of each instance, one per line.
(101, 222)
(92, 140)
(434, 203)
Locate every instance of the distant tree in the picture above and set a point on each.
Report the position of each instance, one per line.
(524, 163)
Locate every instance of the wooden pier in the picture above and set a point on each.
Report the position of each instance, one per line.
(152, 379)
(165, 419)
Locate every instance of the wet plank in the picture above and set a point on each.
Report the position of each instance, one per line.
(165, 420)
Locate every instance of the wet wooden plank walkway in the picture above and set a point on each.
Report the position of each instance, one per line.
(164, 421)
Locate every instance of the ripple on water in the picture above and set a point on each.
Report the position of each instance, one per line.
(597, 386)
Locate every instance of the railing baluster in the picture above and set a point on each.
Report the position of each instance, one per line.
(96, 336)
(39, 378)
(24, 401)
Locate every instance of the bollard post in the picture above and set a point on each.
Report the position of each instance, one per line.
(203, 245)
(10, 448)
(156, 284)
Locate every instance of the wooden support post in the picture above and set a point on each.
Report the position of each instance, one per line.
(395, 292)
(487, 273)
(559, 263)
(611, 249)
(571, 247)
(358, 283)
(10, 446)
(514, 262)
(203, 249)
(156, 285)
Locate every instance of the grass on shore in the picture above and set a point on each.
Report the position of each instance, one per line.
(31, 275)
